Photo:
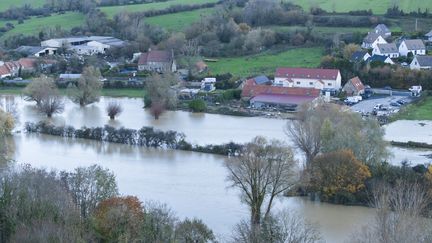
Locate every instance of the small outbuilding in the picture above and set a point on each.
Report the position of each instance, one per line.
(354, 87)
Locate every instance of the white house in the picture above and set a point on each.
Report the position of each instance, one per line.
(208, 84)
(429, 36)
(421, 62)
(372, 39)
(416, 47)
(383, 30)
(308, 78)
(389, 50)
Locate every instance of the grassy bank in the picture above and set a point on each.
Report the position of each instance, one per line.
(421, 110)
(113, 10)
(377, 6)
(179, 21)
(267, 63)
(5, 4)
(131, 93)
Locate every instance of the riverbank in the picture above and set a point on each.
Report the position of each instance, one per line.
(125, 92)
(419, 110)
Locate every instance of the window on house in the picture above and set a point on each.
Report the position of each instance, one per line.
(329, 84)
(310, 83)
(298, 82)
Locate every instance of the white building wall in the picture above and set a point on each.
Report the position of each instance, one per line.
(309, 83)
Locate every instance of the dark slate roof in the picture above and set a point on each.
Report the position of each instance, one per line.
(388, 48)
(416, 44)
(29, 50)
(382, 29)
(261, 79)
(371, 37)
(377, 58)
(358, 55)
(424, 61)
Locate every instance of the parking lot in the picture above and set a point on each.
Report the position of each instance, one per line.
(366, 106)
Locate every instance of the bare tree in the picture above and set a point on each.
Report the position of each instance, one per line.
(399, 215)
(160, 96)
(51, 104)
(114, 109)
(88, 88)
(39, 88)
(262, 171)
(283, 227)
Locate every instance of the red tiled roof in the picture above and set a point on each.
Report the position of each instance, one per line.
(251, 89)
(27, 63)
(4, 70)
(357, 83)
(315, 73)
(155, 56)
(283, 99)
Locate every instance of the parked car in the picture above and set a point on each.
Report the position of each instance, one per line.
(402, 101)
(395, 104)
(377, 107)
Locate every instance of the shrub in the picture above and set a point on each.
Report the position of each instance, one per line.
(197, 105)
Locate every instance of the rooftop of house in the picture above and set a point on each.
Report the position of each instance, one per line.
(30, 50)
(357, 83)
(313, 73)
(371, 37)
(424, 61)
(415, 44)
(283, 99)
(377, 58)
(382, 28)
(262, 79)
(388, 48)
(83, 39)
(358, 55)
(252, 89)
(111, 41)
(155, 56)
(69, 76)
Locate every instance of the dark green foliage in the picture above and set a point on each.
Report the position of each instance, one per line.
(197, 105)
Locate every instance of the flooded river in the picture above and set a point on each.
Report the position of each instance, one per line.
(192, 184)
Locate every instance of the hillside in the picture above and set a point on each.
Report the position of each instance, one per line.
(377, 6)
(5, 4)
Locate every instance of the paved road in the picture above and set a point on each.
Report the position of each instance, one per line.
(367, 105)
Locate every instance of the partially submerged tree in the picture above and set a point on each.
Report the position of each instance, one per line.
(337, 173)
(87, 90)
(281, 227)
(51, 104)
(193, 231)
(326, 128)
(114, 109)
(263, 170)
(399, 217)
(39, 88)
(160, 96)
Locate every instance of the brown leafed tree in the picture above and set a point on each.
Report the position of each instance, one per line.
(114, 109)
(51, 104)
(160, 96)
(263, 170)
(39, 88)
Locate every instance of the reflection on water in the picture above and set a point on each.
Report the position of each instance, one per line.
(193, 184)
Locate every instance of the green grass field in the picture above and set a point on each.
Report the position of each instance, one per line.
(179, 21)
(113, 10)
(35, 24)
(419, 111)
(377, 6)
(267, 63)
(5, 4)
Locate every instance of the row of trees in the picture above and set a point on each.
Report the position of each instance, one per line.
(84, 206)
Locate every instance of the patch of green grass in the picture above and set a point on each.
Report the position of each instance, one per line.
(35, 25)
(377, 6)
(179, 21)
(113, 10)
(268, 62)
(6, 4)
(418, 111)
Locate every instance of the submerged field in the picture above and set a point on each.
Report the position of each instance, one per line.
(377, 6)
(268, 62)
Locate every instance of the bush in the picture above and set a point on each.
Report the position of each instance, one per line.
(197, 105)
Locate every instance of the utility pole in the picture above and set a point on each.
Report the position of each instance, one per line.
(416, 25)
